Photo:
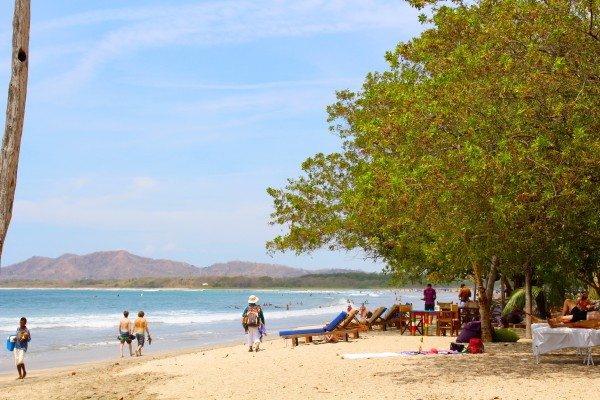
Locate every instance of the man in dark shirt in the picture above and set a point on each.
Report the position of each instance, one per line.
(22, 340)
(429, 296)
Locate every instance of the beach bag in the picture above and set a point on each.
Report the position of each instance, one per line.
(475, 346)
(457, 347)
(252, 316)
(10, 342)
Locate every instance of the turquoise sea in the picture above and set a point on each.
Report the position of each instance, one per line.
(70, 326)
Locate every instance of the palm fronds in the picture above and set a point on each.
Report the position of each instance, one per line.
(517, 299)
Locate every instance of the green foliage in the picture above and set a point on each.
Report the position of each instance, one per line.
(482, 139)
(504, 335)
(344, 280)
(517, 299)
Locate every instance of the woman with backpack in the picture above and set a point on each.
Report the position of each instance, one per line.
(252, 319)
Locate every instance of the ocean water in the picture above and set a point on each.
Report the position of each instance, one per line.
(70, 326)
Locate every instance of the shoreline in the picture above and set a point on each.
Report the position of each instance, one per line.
(182, 319)
(505, 371)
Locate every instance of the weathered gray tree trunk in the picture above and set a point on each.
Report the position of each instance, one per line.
(15, 115)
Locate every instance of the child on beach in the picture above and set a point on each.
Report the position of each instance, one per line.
(141, 327)
(23, 338)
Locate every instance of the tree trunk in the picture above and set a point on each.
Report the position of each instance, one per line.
(491, 281)
(502, 293)
(15, 116)
(528, 301)
(484, 308)
(506, 290)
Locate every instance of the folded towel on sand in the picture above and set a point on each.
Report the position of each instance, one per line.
(432, 352)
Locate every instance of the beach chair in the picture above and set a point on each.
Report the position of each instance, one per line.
(308, 334)
(403, 322)
(345, 327)
(455, 317)
(368, 323)
(348, 320)
(445, 323)
(469, 313)
(388, 319)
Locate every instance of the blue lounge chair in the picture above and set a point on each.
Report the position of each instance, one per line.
(309, 333)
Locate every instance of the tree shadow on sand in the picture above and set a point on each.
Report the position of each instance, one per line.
(508, 360)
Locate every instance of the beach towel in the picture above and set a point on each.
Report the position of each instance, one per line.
(432, 352)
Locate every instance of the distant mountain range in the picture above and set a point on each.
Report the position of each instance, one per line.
(124, 265)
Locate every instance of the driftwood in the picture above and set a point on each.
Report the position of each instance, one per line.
(15, 115)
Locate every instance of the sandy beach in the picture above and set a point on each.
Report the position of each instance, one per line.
(319, 370)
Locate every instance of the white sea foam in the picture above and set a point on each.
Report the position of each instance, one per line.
(174, 317)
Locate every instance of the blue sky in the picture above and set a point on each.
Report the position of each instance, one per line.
(156, 126)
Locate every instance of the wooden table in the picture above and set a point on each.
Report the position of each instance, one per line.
(420, 321)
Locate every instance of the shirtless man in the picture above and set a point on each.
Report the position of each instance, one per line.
(141, 327)
(124, 332)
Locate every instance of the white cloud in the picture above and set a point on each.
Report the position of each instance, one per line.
(208, 24)
(265, 102)
(188, 85)
(144, 182)
(214, 206)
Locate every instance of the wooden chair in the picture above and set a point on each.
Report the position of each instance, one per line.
(455, 317)
(368, 323)
(345, 328)
(469, 313)
(403, 322)
(444, 306)
(445, 323)
(388, 319)
(308, 334)
(348, 320)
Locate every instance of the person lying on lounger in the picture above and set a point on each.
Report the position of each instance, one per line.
(582, 315)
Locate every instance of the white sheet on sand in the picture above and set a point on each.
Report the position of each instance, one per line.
(356, 356)
(546, 339)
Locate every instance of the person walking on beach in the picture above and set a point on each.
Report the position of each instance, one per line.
(464, 295)
(141, 327)
(429, 296)
(22, 340)
(125, 332)
(252, 319)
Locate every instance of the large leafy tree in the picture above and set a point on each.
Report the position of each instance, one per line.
(480, 143)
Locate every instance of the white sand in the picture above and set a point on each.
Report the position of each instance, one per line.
(317, 371)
